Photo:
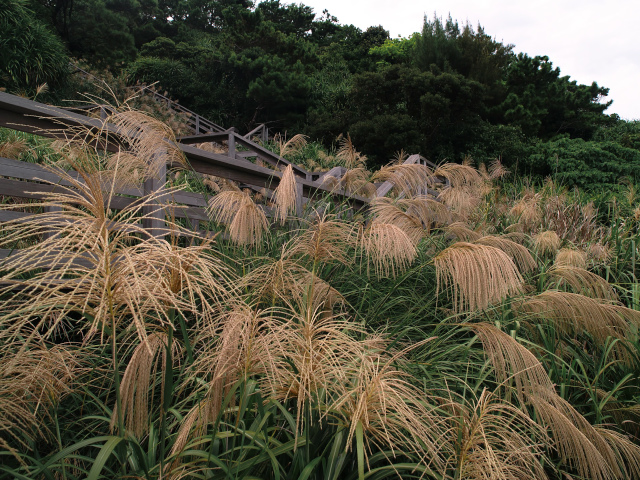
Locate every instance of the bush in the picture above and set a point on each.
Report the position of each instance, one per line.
(171, 74)
(576, 162)
(31, 54)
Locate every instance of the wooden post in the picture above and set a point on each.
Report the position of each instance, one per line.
(48, 233)
(299, 203)
(193, 224)
(197, 124)
(232, 145)
(154, 212)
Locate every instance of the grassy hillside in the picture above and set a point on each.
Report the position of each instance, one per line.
(492, 334)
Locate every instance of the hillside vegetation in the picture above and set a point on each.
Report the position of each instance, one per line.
(448, 91)
(491, 334)
(487, 330)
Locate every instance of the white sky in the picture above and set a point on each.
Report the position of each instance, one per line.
(586, 39)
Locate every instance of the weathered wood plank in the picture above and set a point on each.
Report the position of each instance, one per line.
(269, 156)
(9, 215)
(26, 115)
(39, 191)
(188, 198)
(203, 138)
(153, 220)
(33, 171)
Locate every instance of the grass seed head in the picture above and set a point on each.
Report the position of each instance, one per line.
(478, 275)
(13, 147)
(324, 241)
(574, 314)
(459, 175)
(581, 281)
(389, 247)
(394, 415)
(571, 257)
(387, 211)
(31, 382)
(408, 179)
(546, 243)
(355, 181)
(348, 154)
(138, 381)
(519, 253)
(491, 439)
(598, 253)
(292, 146)
(285, 195)
(246, 221)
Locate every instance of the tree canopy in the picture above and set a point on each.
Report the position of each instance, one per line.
(446, 92)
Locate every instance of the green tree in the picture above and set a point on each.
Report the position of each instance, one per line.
(206, 15)
(103, 32)
(353, 45)
(289, 19)
(435, 112)
(31, 53)
(626, 133)
(467, 51)
(585, 164)
(545, 104)
(99, 34)
(324, 29)
(251, 65)
(438, 45)
(395, 50)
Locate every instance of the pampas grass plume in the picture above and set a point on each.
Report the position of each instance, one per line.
(389, 247)
(285, 195)
(246, 221)
(547, 242)
(571, 257)
(479, 275)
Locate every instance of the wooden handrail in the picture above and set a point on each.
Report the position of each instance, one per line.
(257, 150)
(33, 117)
(386, 187)
(48, 121)
(200, 123)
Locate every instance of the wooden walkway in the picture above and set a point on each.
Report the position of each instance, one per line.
(17, 178)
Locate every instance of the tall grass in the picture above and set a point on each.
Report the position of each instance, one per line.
(486, 335)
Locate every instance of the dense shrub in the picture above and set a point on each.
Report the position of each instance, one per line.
(31, 53)
(576, 162)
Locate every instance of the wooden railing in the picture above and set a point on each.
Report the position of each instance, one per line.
(28, 116)
(251, 150)
(21, 177)
(17, 178)
(194, 121)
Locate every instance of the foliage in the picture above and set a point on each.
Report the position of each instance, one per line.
(239, 77)
(100, 34)
(545, 104)
(427, 112)
(585, 163)
(467, 51)
(395, 50)
(626, 133)
(447, 92)
(422, 338)
(31, 54)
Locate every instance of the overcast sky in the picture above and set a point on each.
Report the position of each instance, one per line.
(586, 39)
